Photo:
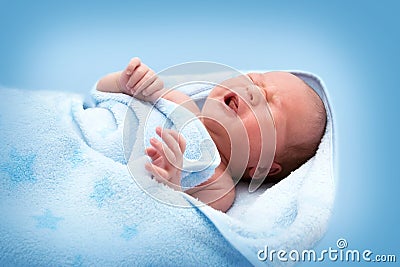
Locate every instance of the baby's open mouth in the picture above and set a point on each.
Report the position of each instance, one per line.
(232, 101)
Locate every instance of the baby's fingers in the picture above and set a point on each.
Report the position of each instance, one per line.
(175, 141)
(163, 149)
(180, 139)
(159, 173)
(170, 141)
(162, 176)
(151, 152)
(137, 75)
(156, 85)
(133, 64)
(143, 85)
(156, 158)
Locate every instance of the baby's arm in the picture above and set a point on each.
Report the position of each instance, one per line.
(217, 192)
(139, 81)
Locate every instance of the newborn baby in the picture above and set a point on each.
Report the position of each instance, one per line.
(234, 110)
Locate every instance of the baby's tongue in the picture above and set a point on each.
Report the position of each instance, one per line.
(232, 104)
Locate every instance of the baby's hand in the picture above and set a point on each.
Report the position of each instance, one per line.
(140, 81)
(167, 157)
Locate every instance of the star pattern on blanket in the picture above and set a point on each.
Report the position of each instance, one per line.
(102, 190)
(78, 261)
(129, 231)
(47, 220)
(76, 158)
(19, 167)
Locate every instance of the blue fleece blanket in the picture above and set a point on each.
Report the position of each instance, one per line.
(68, 198)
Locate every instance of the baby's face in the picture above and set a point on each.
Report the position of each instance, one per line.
(238, 114)
(238, 119)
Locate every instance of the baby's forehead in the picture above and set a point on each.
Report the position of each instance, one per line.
(274, 78)
(284, 83)
(261, 78)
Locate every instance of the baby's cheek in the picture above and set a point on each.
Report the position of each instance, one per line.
(255, 143)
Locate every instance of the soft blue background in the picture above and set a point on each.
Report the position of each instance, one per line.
(352, 45)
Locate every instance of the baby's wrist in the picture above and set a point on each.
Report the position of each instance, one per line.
(157, 95)
(118, 83)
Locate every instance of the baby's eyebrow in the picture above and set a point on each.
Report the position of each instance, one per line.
(249, 76)
(252, 77)
(263, 91)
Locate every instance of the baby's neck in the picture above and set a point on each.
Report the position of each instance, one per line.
(224, 155)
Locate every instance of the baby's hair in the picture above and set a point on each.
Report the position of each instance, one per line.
(297, 154)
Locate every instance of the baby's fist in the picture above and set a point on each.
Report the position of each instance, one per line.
(140, 81)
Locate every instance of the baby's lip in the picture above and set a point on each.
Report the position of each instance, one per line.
(232, 101)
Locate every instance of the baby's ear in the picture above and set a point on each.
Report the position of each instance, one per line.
(257, 172)
(276, 168)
